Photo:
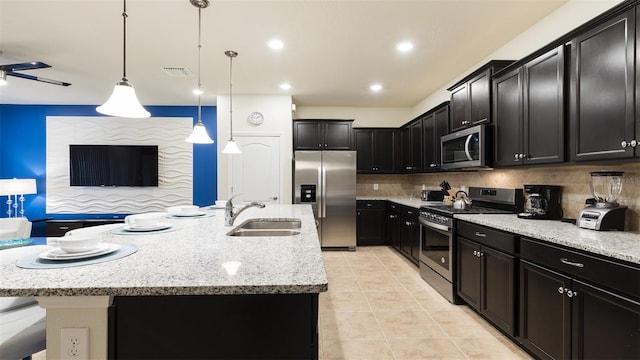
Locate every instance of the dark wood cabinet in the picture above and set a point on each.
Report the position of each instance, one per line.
(57, 228)
(471, 96)
(528, 112)
(486, 276)
(378, 150)
(393, 225)
(403, 230)
(322, 134)
(434, 125)
(574, 305)
(602, 90)
(370, 222)
(411, 135)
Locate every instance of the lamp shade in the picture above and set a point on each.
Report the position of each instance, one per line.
(17, 186)
(123, 103)
(199, 135)
(231, 148)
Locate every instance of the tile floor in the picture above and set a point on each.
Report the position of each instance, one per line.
(378, 307)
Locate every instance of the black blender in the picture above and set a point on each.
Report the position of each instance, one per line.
(604, 212)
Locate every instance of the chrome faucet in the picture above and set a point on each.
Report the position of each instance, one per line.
(230, 216)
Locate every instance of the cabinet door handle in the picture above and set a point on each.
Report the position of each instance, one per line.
(475, 253)
(392, 216)
(521, 156)
(567, 262)
(408, 223)
(572, 293)
(479, 234)
(561, 290)
(515, 157)
(64, 228)
(369, 204)
(410, 212)
(634, 143)
(624, 144)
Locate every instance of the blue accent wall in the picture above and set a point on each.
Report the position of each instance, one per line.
(23, 150)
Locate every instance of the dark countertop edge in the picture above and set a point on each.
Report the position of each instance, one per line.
(172, 291)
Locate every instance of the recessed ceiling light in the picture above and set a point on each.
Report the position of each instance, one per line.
(275, 44)
(285, 86)
(404, 46)
(375, 87)
(198, 92)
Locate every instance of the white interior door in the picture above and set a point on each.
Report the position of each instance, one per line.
(255, 174)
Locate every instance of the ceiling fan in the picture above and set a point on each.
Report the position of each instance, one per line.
(10, 70)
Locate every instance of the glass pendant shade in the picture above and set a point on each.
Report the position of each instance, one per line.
(123, 103)
(199, 135)
(3, 77)
(231, 148)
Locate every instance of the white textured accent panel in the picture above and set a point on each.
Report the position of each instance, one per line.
(175, 164)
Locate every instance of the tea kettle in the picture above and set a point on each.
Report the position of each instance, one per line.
(462, 200)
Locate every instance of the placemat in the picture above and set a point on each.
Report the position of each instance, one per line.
(5, 244)
(122, 231)
(209, 214)
(34, 262)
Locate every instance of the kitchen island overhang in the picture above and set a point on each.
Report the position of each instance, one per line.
(184, 269)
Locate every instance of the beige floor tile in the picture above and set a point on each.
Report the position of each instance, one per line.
(342, 283)
(455, 316)
(348, 325)
(487, 348)
(343, 301)
(368, 269)
(466, 331)
(357, 350)
(415, 349)
(379, 282)
(408, 325)
(391, 301)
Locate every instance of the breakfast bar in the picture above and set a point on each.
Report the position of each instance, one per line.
(189, 291)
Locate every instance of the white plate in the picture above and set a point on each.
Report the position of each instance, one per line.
(194, 214)
(59, 254)
(157, 226)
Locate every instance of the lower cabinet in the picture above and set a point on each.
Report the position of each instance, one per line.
(486, 276)
(568, 311)
(57, 228)
(403, 230)
(370, 222)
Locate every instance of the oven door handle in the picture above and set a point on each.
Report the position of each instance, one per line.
(434, 225)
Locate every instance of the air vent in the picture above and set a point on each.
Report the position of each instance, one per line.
(176, 71)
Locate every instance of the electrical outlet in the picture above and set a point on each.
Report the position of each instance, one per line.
(74, 344)
(376, 187)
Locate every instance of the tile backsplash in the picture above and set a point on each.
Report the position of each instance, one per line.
(574, 180)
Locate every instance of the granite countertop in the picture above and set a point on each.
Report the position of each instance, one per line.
(622, 245)
(191, 261)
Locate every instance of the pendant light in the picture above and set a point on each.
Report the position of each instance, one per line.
(3, 77)
(123, 101)
(231, 147)
(199, 134)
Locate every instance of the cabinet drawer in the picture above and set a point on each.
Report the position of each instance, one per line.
(59, 228)
(489, 237)
(603, 272)
(370, 204)
(410, 212)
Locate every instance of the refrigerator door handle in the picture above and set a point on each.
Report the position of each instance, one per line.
(321, 193)
(324, 192)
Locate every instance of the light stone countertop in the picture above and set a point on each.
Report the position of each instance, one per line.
(414, 202)
(622, 245)
(191, 261)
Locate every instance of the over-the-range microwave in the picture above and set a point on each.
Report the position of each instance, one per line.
(469, 149)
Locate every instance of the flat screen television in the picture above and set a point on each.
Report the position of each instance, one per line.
(113, 165)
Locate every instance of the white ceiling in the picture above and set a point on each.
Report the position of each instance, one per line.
(333, 49)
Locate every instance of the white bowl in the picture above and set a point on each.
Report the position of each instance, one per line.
(144, 219)
(189, 209)
(221, 202)
(78, 243)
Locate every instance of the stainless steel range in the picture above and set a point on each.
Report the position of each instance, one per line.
(437, 234)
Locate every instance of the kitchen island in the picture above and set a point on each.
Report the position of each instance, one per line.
(190, 293)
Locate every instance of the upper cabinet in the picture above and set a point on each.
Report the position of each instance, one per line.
(411, 135)
(528, 112)
(471, 97)
(378, 150)
(434, 125)
(602, 89)
(322, 134)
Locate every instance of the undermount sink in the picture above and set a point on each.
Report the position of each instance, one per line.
(268, 227)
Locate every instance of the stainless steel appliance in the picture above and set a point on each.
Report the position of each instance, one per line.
(604, 212)
(327, 181)
(437, 234)
(542, 202)
(469, 148)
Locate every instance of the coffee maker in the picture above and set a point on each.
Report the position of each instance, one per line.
(542, 202)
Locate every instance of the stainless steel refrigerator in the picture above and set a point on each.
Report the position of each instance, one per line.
(327, 181)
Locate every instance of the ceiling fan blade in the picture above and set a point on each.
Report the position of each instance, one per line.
(38, 78)
(24, 66)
